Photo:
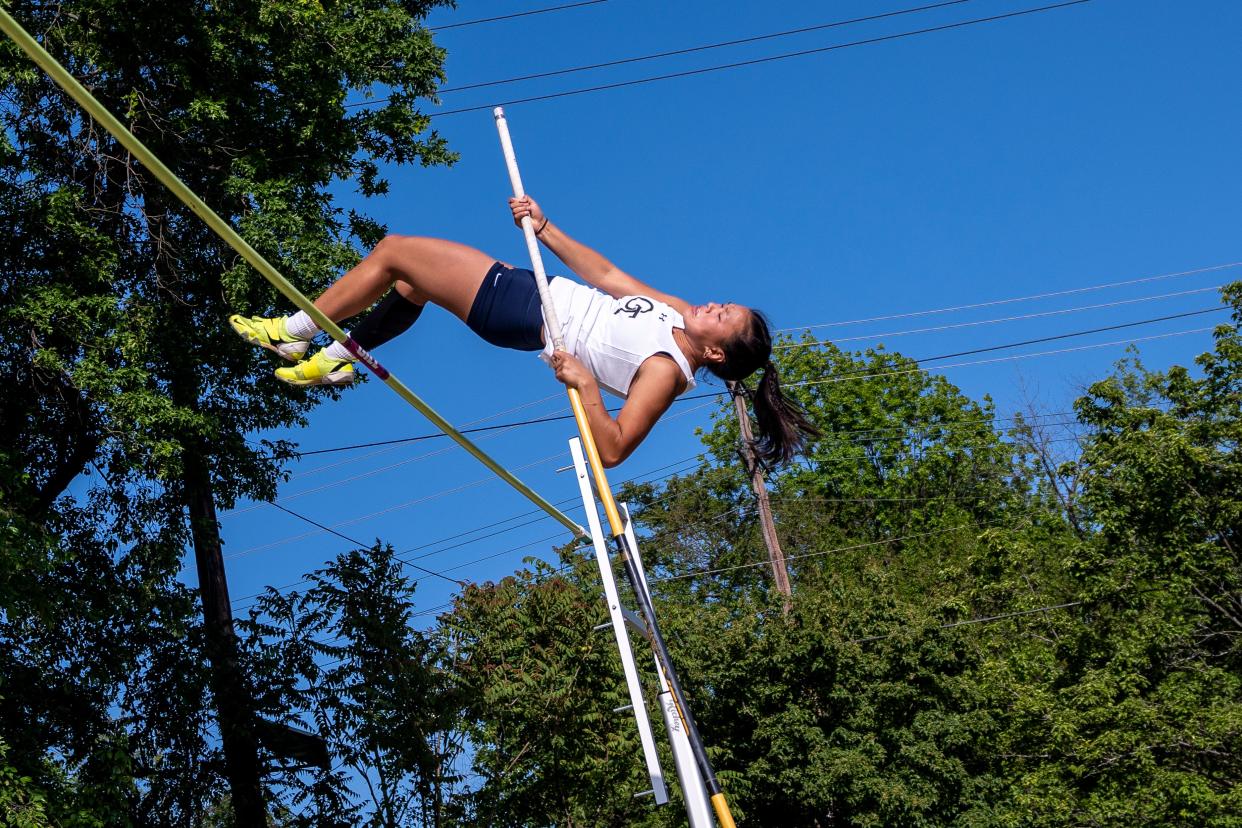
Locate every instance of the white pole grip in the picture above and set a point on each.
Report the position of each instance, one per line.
(528, 230)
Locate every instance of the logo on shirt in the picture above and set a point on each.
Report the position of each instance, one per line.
(635, 305)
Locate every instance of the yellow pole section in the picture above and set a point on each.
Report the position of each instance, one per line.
(719, 803)
(166, 176)
(721, 806)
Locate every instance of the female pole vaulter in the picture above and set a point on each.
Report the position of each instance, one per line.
(621, 335)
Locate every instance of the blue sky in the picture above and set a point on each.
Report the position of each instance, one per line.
(1050, 152)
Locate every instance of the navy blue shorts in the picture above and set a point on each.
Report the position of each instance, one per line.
(506, 310)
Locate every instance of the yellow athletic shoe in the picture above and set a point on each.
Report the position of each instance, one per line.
(271, 334)
(318, 370)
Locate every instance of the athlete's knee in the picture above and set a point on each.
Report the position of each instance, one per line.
(392, 243)
(397, 254)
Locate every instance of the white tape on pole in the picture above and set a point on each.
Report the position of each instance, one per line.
(528, 230)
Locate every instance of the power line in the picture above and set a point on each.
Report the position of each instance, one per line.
(773, 58)
(1070, 335)
(995, 302)
(741, 508)
(849, 548)
(904, 434)
(435, 495)
(814, 382)
(359, 476)
(839, 378)
(859, 372)
(510, 550)
(985, 620)
(540, 517)
(320, 469)
(559, 503)
(360, 544)
(897, 454)
(1006, 359)
(690, 50)
(673, 466)
(977, 323)
(512, 16)
(692, 397)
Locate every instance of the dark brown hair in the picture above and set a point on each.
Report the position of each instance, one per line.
(783, 425)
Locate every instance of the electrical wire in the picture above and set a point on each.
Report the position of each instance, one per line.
(839, 377)
(989, 348)
(756, 61)
(319, 469)
(791, 384)
(906, 433)
(563, 502)
(1004, 359)
(693, 458)
(873, 436)
(748, 508)
(946, 356)
(361, 475)
(849, 548)
(361, 545)
(984, 620)
(693, 49)
(977, 323)
(563, 7)
(993, 303)
(406, 504)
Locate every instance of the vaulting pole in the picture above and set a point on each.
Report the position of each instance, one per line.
(222, 228)
(615, 523)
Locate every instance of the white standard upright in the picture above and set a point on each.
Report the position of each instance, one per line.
(694, 792)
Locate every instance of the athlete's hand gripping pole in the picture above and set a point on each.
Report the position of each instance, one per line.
(719, 804)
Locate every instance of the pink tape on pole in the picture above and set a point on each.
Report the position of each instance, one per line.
(365, 358)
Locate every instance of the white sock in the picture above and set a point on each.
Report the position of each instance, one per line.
(301, 326)
(337, 351)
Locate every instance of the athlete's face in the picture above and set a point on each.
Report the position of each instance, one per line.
(714, 325)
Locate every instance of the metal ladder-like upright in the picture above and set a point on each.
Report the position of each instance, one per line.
(694, 792)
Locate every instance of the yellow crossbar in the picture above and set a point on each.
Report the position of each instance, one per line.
(100, 113)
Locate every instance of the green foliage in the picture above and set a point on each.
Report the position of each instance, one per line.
(538, 686)
(976, 636)
(1134, 712)
(22, 805)
(342, 660)
(113, 298)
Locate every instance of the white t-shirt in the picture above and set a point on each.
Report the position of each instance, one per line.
(613, 337)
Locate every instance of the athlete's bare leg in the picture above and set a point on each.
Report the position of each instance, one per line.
(442, 272)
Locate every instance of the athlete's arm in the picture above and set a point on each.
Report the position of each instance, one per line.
(652, 391)
(589, 264)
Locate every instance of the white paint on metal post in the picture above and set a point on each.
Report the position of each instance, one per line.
(693, 789)
(616, 613)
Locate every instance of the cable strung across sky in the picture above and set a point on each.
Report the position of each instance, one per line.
(771, 59)
(856, 374)
(564, 7)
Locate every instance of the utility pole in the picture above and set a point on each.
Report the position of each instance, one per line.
(234, 704)
(779, 571)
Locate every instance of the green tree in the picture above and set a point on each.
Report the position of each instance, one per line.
(22, 804)
(855, 707)
(539, 687)
(342, 658)
(112, 302)
(1130, 711)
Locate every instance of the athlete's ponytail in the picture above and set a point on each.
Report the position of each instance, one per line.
(783, 425)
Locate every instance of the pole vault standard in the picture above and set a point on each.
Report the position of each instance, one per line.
(100, 113)
(615, 523)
